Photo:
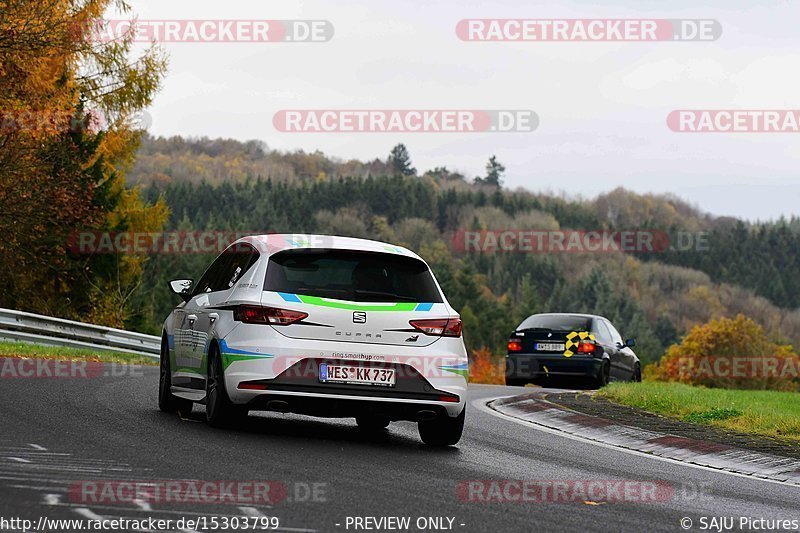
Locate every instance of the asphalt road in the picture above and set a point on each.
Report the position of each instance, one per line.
(56, 432)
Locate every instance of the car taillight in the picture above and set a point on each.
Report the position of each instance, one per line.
(448, 398)
(250, 385)
(439, 327)
(587, 347)
(255, 314)
(514, 345)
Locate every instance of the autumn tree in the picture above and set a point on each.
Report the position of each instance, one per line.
(68, 105)
(732, 353)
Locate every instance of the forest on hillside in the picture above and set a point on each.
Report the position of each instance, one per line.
(741, 267)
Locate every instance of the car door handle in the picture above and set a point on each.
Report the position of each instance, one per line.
(191, 319)
(213, 317)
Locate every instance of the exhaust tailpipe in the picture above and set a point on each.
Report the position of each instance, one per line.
(426, 414)
(278, 405)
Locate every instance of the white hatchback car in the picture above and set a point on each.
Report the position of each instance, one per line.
(318, 325)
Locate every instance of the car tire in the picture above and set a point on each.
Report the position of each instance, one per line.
(512, 382)
(443, 430)
(603, 376)
(220, 410)
(637, 373)
(168, 402)
(372, 423)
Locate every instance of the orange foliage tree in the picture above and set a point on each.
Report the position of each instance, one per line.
(486, 368)
(61, 166)
(729, 353)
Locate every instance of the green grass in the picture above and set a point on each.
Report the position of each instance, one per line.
(21, 349)
(768, 413)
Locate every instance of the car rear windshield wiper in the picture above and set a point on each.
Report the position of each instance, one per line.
(390, 295)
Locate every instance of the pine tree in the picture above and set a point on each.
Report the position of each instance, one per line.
(400, 161)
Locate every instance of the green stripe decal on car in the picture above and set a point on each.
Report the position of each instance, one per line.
(355, 306)
(462, 369)
(230, 358)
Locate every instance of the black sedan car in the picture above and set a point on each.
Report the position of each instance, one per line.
(551, 348)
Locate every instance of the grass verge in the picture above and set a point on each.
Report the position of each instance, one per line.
(759, 412)
(21, 349)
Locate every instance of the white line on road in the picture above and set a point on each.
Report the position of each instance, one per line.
(252, 511)
(88, 513)
(143, 505)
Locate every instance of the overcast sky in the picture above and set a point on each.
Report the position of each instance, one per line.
(602, 106)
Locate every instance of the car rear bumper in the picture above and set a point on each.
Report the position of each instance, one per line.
(268, 368)
(344, 406)
(531, 366)
(299, 390)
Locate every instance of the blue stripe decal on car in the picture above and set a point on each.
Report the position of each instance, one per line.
(424, 307)
(460, 366)
(224, 348)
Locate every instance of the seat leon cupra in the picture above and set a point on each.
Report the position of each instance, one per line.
(317, 325)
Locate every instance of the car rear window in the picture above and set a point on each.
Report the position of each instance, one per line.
(351, 275)
(557, 322)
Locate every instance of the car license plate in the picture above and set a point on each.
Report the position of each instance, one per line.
(356, 375)
(549, 347)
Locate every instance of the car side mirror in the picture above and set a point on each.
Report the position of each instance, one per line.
(630, 343)
(182, 287)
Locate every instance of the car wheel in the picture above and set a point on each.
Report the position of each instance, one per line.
(220, 410)
(511, 382)
(637, 373)
(602, 378)
(168, 402)
(443, 430)
(372, 422)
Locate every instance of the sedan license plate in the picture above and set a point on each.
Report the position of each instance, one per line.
(549, 347)
(356, 375)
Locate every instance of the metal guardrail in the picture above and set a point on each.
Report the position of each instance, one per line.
(49, 331)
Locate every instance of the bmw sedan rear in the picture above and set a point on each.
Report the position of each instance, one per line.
(559, 348)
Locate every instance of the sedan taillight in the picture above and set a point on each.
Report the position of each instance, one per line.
(514, 344)
(438, 327)
(256, 314)
(587, 347)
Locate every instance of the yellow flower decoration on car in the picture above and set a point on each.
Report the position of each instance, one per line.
(572, 341)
